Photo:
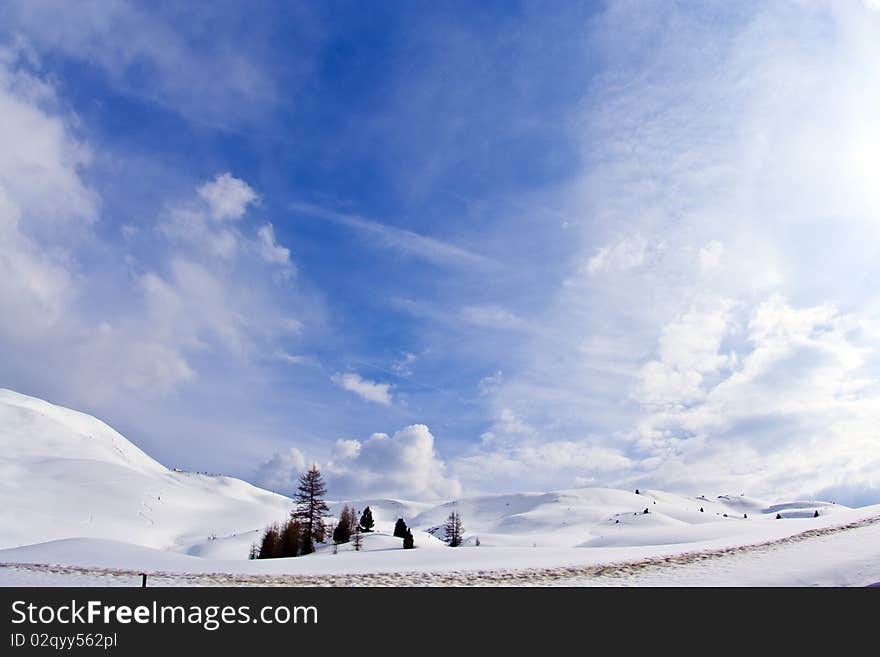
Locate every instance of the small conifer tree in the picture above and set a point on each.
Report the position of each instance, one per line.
(366, 523)
(454, 529)
(290, 539)
(310, 508)
(400, 528)
(270, 544)
(342, 531)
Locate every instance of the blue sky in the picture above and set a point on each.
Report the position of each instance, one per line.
(450, 248)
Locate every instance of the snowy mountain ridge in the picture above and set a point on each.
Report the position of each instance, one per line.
(67, 475)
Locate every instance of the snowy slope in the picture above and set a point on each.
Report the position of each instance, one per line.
(385, 511)
(595, 517)
(66, 474)
(842, 551)
(75, 492)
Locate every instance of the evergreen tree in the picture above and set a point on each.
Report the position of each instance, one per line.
(367, 523)
(306, 544)
(320, 533)
(400, 528)
(816, 514)
(356, 538)
(270, 543)
(342, 532)
(310, 508)
(454, 529)
(340, 535)
(290, 539)
(408, 541)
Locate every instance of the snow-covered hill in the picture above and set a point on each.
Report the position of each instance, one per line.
(72, 489)
(65, 474)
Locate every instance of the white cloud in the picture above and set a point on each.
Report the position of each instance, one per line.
(149, 365)
(625, 254)
(490, 384)
(143, 54)
(514, 455)
(188, 225)
(800, 411)
(714, 325)
(203, 226)
(346, 450)
(493, 317)
(710, 255)
(114, 324)
(41, 159)
(192, 305)
(688, 352)
(294, 359)
(404, 465)
(45, 206)
(281, 472)
(35, 287)
(721, 184)
(371, 391)
(404, 241)
(227, 197)
(269, 249)
(403, 367)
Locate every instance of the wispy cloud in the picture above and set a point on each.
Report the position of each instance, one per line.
(135, 321)
(371, 391)
(717, 188)
(682, 211)
(398, 239)
(144, 54)
(493, 317)
(295, 359)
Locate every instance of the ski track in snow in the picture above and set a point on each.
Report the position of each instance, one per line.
(724, 567)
